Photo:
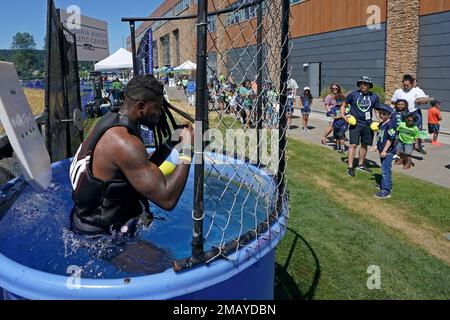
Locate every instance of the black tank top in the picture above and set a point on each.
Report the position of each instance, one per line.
(102, 206)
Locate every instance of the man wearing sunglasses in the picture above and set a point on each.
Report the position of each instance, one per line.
(362, 102)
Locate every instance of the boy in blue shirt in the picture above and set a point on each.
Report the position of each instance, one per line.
(386, 147)
(340, 126)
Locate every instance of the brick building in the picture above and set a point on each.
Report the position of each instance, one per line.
(333, 41)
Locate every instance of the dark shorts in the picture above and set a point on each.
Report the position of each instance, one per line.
(419, 122)
(361, 135)
(339, 133)
(290, 109)
(306, 110)
(433, 128)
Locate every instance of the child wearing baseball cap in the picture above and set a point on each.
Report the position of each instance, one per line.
(434, 116)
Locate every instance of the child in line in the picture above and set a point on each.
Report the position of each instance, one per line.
(386, 138)
(273, 109)
(290, 107)
(306, 100)
(400, 111)
(408, 138)
(340, 126)
(434, 116)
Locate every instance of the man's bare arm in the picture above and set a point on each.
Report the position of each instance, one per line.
(146, 177)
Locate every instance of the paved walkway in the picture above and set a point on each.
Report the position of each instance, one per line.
(433, 167)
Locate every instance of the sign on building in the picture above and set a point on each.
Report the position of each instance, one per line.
(92, 36)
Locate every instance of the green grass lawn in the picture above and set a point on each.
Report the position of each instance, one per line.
(337, 229)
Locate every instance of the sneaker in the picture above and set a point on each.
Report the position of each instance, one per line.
(420, 150)
(396, 157)
(383, 194)
(340, 151)
(377, 186)
(364, 169)
(351, 172)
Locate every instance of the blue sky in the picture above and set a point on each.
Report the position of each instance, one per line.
(30, 16)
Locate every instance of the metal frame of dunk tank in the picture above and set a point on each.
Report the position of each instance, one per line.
(199, 255)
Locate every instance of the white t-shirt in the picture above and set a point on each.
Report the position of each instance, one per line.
(292, 84)
(411, 96)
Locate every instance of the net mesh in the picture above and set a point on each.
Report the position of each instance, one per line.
(244, 125)
(63, 87)
(242, 181)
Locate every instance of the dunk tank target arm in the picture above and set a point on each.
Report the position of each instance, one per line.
(22, 130)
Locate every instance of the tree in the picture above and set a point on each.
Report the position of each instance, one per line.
(23, 41)
(24, 57)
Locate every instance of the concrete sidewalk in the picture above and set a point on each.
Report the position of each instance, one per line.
(433, 167)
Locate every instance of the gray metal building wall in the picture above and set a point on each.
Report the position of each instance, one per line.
(433, 72)
(345, 55)
(242, 63)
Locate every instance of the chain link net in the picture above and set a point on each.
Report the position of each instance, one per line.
(242, 182)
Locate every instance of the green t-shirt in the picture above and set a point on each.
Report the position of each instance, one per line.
(117, 85)
(407, 135)
(245, 94)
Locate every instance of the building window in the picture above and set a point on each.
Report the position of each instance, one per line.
(176, 37)
(155, 54)
(212, 20)
(243, 14)
(165, 42)
(181, 6)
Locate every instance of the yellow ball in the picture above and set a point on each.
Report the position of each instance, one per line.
(351, 120)
(375, 126)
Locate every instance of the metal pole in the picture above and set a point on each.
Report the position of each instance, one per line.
(283, 100)
(201, 117)
(133, 47)
(79, 106)
(259, 81)
(48, 48)
(64, 73)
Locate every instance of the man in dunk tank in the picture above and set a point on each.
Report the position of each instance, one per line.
(112, 175)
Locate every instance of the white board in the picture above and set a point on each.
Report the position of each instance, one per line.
(22, 130)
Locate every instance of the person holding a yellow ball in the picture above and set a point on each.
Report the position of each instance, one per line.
(362, 102)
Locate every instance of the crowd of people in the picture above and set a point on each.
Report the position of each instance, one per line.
(397, 130)
(240, 100)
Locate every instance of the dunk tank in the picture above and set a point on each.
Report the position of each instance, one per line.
(220, 240)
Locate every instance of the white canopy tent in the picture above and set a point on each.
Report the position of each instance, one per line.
(187, 66)
(121, 59)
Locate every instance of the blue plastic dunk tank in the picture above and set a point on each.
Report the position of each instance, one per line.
(41, 259)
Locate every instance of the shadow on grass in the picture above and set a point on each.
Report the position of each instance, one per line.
(369, 163)
(447, 166)
(285, 286)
